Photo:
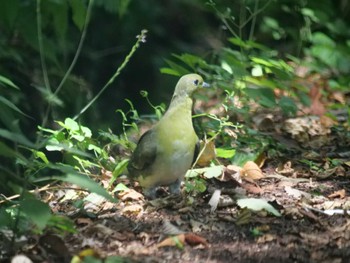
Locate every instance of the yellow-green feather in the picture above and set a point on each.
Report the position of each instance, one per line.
(170, 144)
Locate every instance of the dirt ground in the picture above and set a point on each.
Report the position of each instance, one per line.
(137, 230)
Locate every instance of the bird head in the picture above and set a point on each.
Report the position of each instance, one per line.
(188, 84)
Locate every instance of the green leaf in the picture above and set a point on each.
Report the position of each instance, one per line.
(170, 71)
(37, 211)
(264, 96)
(319, 38)
(120, 187)
(62, 223)
(59, 11)
(176, 67)
(225, 153)
(5, 218)
(73, 177)
(50, 97)
(256, 204)
(8, 82)
(288, 105)
(9, 152)
(11, 105)
(16, 137)
(208, 172)
(118, 170)
(71, 124)
(78, 13)
(41, 155)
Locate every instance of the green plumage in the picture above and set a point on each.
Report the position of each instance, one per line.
(165, 153)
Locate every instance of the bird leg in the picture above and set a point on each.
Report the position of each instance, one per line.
(150, 193)
(174, 188)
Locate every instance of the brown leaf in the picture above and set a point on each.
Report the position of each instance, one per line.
(193, 240)
(173, 241)
(130, 194)
(132, 209)
(207, 153)
(266, 238)
(251, 171)
(252, 188)
(338, 194)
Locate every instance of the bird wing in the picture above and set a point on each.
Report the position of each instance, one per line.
(144, 154)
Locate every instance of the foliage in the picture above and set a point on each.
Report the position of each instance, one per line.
(253, 69)
(65, 154)
(251, 73)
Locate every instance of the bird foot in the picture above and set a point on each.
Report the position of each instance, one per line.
(174, 188)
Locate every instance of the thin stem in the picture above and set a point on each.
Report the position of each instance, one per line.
(140, 38)
(41, 45)
(79, 48)
(77, 53)
(252, 28)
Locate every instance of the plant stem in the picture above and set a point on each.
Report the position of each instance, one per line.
(140, 38)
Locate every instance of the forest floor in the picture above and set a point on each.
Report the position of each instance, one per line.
(293, 206)
(308, 221)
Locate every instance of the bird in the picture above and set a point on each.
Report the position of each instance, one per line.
(165, 152)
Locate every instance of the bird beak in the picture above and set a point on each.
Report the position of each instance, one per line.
(205, 85)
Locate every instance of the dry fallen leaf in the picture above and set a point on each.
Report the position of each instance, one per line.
(207, 153)
(252, 188)
(173, 241)
(266, 238)
(130, 194)
(193, 240)
(251, 171)
(338, 194)
(285, 169)
(132, 209)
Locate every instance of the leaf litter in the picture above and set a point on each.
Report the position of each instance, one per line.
(293, 208)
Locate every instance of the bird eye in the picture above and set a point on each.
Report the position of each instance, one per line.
(196, 82)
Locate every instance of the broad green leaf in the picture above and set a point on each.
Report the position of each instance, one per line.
(225, 153)
(319, 38)
(37, 211)
(287, 105)
(257, 71)
(256, 204)
(264, 96)
(78, 13)
(226, 67)
(63, 223)
(208, 172)
(5, 218)
(120, 187)
(86, 131)
(71, 124)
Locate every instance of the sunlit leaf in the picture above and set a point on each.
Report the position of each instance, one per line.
(225, 153)
(256, 204)
(208, 172)
(7, 82)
